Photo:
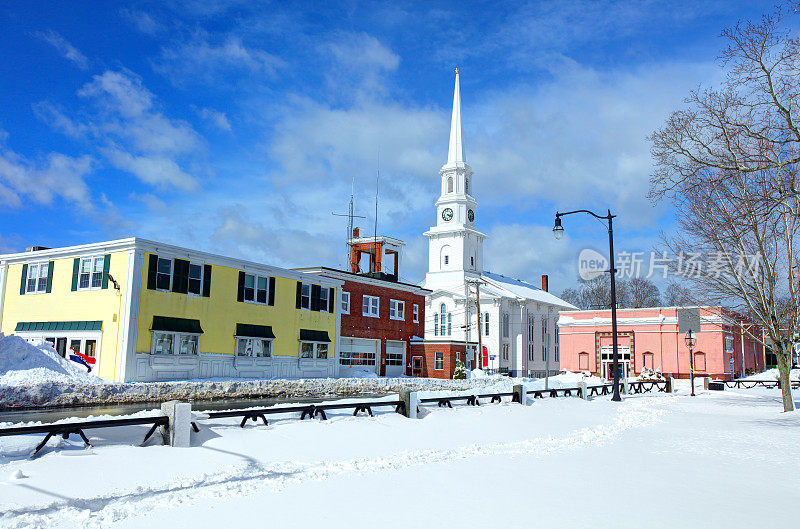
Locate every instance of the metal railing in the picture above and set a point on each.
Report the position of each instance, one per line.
(65, 429)
(310, 411)
(749, 384)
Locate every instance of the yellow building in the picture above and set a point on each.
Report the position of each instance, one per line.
(151, 311)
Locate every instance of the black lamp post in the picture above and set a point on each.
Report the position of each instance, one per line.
(691, 340)
(558, 231)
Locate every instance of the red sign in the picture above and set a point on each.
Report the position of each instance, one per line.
(485, 356)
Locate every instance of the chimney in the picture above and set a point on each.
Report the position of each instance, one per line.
(545, 283)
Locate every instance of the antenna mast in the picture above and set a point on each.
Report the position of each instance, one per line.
(350, 216)
(377, 182)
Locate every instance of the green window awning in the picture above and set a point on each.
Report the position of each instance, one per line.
(307, 335)
(59, 326)
(165, 323)
(254, 331)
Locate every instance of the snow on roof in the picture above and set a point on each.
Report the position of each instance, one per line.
(523, 289)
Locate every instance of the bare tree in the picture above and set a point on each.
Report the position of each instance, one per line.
(730, 164)
(595, 294)
(678, 296)
(643, 293)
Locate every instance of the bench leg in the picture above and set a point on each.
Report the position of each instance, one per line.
(195, 428)
(83, 436)
(244, 420)
(320, 412)
(44, 442)
(264, 418)
(150, 432)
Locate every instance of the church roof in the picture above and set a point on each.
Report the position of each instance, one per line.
(517, 288)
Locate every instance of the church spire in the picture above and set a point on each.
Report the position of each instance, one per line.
(456, 152)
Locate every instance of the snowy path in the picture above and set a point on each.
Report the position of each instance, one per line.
(348, 470)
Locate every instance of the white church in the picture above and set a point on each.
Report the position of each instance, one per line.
(516, 321)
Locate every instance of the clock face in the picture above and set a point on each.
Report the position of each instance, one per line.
(447, 214)
(471, 215)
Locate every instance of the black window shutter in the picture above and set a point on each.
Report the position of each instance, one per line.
(331, 294)
(106, 268)
(206, 280)
(315, 295)
(271, 300)
(299, 293)
(76, 266)
(152, 266)
(240, 294)
(49, 277)
(24, 279)
(180, 276)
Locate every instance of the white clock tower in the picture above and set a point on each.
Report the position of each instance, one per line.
(455, 248)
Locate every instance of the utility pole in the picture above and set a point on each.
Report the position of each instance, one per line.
(479, 353)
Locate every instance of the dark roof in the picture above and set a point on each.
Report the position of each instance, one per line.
(59, 326)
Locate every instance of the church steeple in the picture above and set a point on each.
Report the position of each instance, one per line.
(455, 247)
(456, 152)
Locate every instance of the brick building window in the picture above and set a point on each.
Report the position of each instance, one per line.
(397, 310)
(583, 361)
(371, 306)
(438, 362)
(416, 313)
(648, 360)
(699, 361)
(345, 302)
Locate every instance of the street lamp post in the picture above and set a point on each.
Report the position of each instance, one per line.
(691, 340)
(558, 231)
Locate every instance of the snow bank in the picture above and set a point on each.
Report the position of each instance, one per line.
(772, 374)
(24, 364)
(82, 393)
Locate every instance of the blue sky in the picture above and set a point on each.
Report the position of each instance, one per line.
(237, 126)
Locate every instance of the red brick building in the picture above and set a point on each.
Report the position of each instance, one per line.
(379, 314)
(437, 359)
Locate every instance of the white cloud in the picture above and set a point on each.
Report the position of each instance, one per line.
(156, 170)
(363, 51)
(67, 50)
(217, 118)
(210, 62)
(143, 21)
(132, 133)
(41, 182)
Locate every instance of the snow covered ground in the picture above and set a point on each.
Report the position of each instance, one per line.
(722, 458)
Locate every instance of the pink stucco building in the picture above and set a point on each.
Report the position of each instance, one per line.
(649, 338)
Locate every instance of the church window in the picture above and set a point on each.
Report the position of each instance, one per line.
(436, 324)
(450, 185)
(472, 262)
(545, 339)
(555, 345)
(486, 324)
(505, 325)
(449, 324)
(446, 259)
(531, 338)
